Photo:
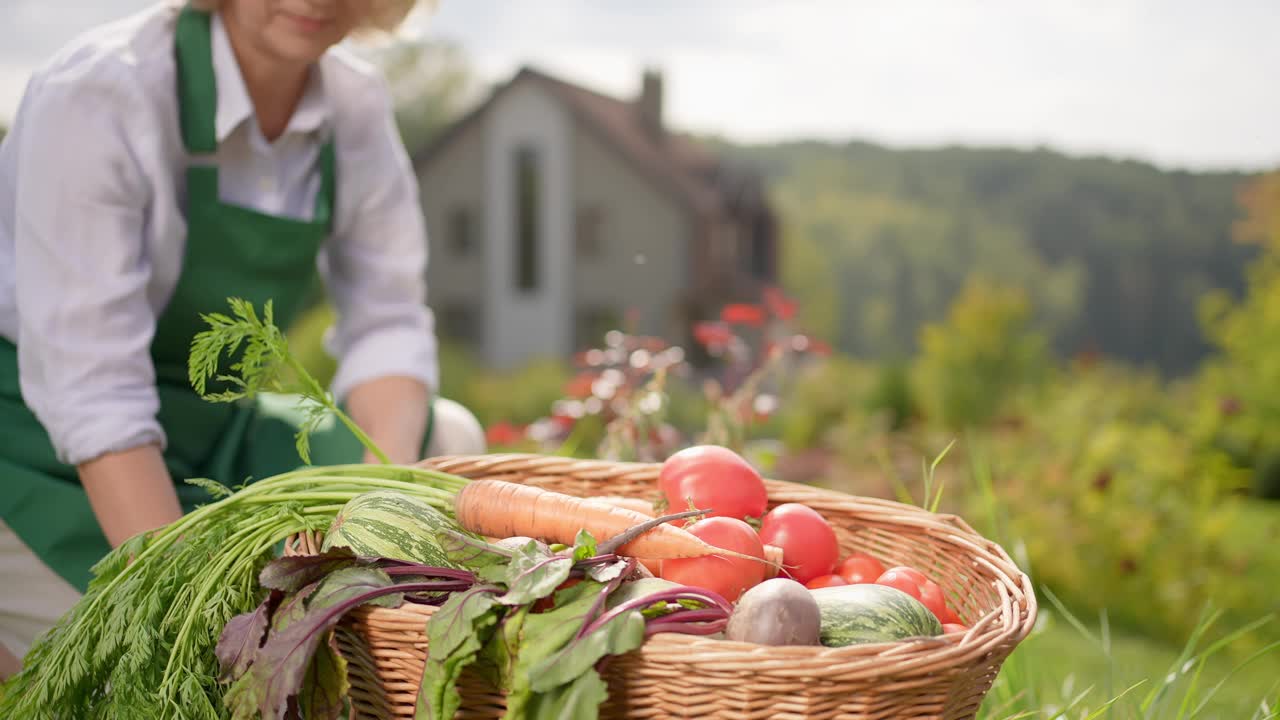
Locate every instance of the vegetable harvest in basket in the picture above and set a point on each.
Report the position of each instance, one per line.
(533, 589)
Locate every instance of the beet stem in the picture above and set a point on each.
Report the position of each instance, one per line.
(674, 594)
(601, 598)
(616, 542)
(429, 571)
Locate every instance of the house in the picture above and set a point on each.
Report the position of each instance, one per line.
(554, 212)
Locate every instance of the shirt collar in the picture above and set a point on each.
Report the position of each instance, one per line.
(234, 105)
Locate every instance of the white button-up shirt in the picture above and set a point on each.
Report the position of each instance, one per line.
(92, 231)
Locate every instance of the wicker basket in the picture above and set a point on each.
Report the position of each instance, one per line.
(687, 676)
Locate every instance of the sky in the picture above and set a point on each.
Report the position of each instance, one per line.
(1180, 83)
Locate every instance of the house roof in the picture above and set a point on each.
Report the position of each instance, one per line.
(674, 161)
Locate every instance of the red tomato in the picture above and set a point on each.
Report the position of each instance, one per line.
(897, 578)
(932, 597)
(809, 546)
(860, 568)
(825, 581)
(912, 573)
(948, 628)
(715, 478)
(728, 576)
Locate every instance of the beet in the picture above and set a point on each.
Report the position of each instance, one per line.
(779, 611)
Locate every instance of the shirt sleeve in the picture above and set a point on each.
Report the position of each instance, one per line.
(375, 264)
(85, 323)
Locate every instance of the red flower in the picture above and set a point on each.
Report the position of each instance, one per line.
(563, 422)
(742, 314)
(504, 433)
(580, 386)
(779, 305)
(712, 334)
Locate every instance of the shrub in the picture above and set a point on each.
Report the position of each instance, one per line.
(970, 364)
(1239, 402)
(1120, 511)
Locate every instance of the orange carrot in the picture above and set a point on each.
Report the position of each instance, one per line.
(502, 509)
(644, 507)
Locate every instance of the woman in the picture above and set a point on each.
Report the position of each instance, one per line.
(156, 167)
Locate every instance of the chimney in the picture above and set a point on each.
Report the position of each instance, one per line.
(650, 103)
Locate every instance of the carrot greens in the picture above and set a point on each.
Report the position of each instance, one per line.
(264, 365)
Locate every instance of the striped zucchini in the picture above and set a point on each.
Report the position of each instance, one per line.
(869, 613)
(388, 524)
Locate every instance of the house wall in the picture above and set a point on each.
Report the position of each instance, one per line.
(643, 236)
(521, 325)
(454, 181)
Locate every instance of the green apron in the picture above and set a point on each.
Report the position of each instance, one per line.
(230, 251)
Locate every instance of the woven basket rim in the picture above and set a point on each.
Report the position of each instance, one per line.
(996, 631)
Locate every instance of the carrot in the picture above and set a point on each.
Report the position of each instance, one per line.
(644, 507)
(502, 509)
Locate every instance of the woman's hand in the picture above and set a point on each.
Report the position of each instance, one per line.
(392, 411)
(130, 492)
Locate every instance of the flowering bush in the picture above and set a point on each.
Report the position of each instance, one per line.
(641, 398)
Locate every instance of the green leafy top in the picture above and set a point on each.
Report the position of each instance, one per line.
(260, 368)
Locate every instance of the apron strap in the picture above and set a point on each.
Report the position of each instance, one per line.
(197, 85)
(198, 112)
(327, 196)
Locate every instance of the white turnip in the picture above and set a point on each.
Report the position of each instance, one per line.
(779, 611)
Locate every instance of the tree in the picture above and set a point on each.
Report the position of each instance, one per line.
(431, 82)
(1242, 382)
(1114, 255)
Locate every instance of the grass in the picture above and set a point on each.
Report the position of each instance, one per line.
(1071, 669)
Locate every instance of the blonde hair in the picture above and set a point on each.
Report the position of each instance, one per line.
(384, 15)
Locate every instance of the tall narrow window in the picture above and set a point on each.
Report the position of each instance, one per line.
(461, 240)
(528, 204)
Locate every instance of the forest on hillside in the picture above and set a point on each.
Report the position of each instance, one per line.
(1115, 256)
